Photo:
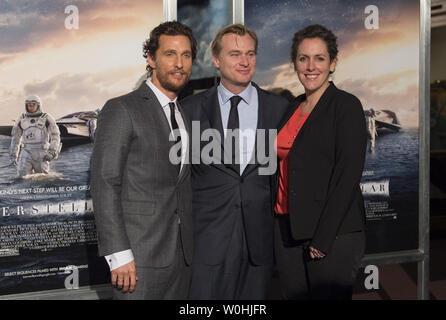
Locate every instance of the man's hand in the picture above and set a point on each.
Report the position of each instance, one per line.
(47, 157)
(315, 254)
(125, 277)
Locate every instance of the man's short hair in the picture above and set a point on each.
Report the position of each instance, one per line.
(170, 28)
(237, 29)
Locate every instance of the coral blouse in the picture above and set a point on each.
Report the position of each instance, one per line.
(284, 142)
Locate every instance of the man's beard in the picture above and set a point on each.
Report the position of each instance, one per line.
(163, 79)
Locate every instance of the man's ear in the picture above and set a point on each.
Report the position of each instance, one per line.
(151, 61)
(216, 62)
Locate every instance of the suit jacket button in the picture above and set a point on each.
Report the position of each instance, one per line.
(242, 179)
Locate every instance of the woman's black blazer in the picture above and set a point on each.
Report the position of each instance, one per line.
(326, 162)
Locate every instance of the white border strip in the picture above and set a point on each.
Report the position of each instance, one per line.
(170, 10)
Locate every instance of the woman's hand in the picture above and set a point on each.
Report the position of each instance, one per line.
(316, 254)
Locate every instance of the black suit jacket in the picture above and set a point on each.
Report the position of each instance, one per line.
(219, 194)
(326, 162)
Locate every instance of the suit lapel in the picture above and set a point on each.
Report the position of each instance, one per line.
(262, 118)
(159, 116)
(189, 134)
(318, 110)
(211, 109)
(156, 109)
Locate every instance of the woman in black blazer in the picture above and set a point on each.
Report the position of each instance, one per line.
(321, 144)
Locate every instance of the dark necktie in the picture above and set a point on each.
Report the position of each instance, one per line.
(175, 131)
(233, 123)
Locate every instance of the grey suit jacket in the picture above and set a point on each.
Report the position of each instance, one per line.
(139, 200)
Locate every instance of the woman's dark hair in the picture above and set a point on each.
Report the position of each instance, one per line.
(315, 31)
(170, 28)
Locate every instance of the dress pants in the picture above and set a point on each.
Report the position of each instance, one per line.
(167, 283)
(330, 278)
(236, 278)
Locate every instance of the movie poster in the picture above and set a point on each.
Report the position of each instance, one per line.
(378, 62)
(205, 18)
(68, 59)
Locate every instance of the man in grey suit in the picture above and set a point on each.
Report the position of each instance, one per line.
(140, 181)
(233, 217)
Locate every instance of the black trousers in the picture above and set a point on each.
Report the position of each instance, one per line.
(330, 278)
(236, 278)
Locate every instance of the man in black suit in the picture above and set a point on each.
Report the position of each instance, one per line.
(233, 219)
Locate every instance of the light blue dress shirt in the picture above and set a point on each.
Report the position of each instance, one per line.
(248, 116)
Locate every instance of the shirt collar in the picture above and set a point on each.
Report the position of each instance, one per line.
(162, 98)
(225, 94)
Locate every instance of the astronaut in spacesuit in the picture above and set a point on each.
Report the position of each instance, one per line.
(35, 139)
(371, 128)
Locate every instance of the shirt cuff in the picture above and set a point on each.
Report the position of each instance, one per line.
(118, 259)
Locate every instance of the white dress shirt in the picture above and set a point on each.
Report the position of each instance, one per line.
(118, 259)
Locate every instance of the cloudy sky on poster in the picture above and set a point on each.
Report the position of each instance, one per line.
(205, 17)
(379, 66)
(71, 70)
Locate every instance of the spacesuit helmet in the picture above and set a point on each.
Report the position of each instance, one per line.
(33, 101)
